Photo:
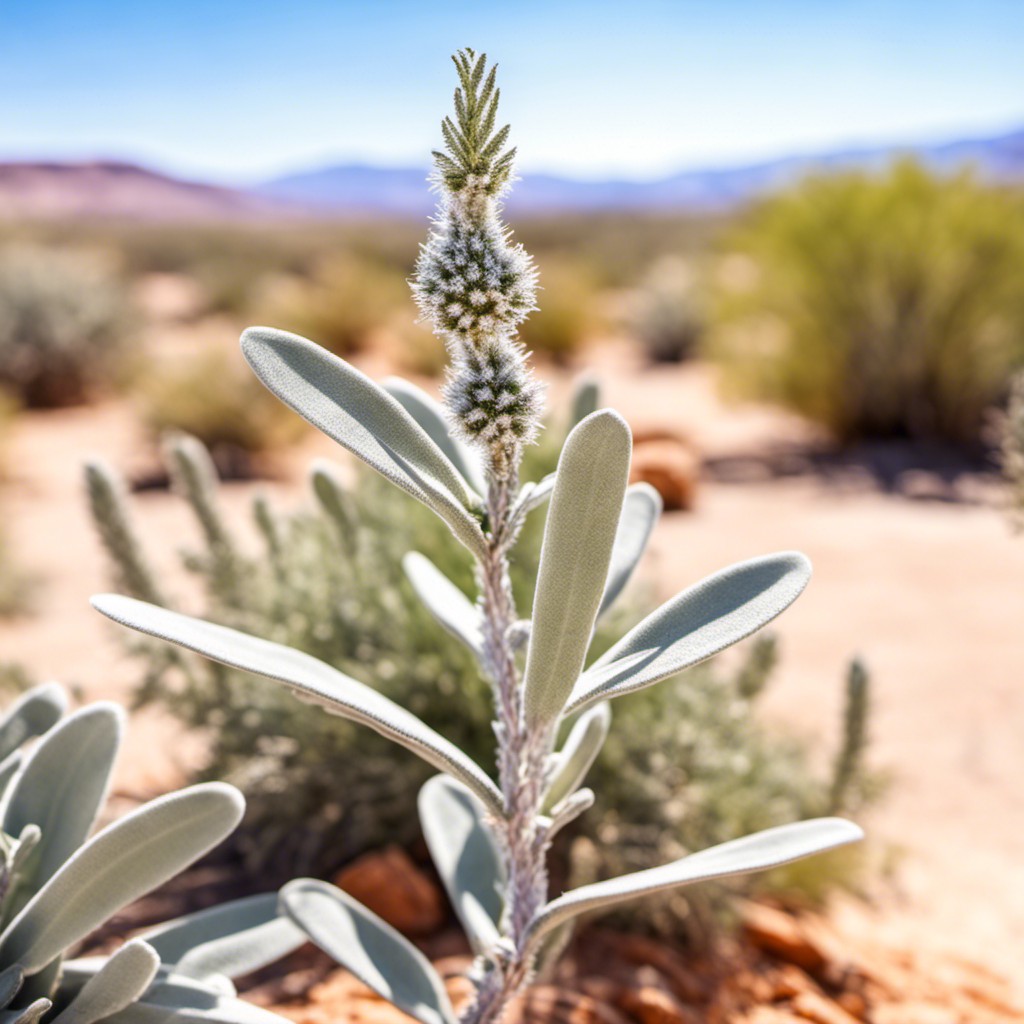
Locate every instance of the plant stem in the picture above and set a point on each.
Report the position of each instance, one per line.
(521, 761)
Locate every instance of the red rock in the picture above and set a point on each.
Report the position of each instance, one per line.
(820, 1010)
(671, 468)
(649, 1005)
(392, 886)
(780, 934)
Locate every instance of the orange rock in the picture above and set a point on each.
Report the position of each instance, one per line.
(790, 981)
(780, 934)
(671, 468)
(549, 1004)
(393, 887)
(654, 1006)
(817, 1008)
(640, 950)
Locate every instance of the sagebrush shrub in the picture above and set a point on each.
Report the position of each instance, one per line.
(880, 306)
(64, 319)
(490, 838)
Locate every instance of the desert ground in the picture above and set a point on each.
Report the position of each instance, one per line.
(924, 579)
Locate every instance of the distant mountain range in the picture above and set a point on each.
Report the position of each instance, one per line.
(111, 189)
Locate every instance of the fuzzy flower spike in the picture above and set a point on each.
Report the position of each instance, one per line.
(473, 284)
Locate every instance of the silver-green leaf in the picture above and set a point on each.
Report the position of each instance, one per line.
(465, 857)
(121, 863)
(32, 714)
(62, 788)
(640, 512)
(363, 418)
(719, 611)
(118, 983)
(231, 939)
(578, 537)
(578, 753)
(310, 679)
(444, 600)
(767, 849)
(372, 950)
(429, 414)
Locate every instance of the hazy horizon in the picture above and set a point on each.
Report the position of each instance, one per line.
(591, 92)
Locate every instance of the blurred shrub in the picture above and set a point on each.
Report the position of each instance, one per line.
(1013, 450)
(215, 398)
(879, 306)
(569, 311)
(689, 761)
(668, 318)
(64, 317)
(340, 305)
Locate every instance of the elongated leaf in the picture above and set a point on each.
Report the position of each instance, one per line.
(696, 624)
(309, 679)
(362, 417)
(11, 978)
(373, 951)
(120, 864)
(231, 939)
(31, 715)
(570, 809)
(578, 753)
(586, 399)
(533, 495)
(174, 999)
(465, 857)
(62, 789)
(574, 560)
(444, 600)
(119, 982)
(9, 767)
(640, 513)
(429, 414)
(767, 849)
(29, 1015)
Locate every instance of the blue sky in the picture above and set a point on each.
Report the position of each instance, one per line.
(238, 91)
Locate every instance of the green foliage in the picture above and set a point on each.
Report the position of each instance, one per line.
(668, 318)
(570, 314)
(212, 398)
(342, 302)
(64, 318)
(58, 885)
(879, 306)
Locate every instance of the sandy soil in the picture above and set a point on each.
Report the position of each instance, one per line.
(931, 593)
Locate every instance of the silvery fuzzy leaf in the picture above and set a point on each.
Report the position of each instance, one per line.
(533, 495)
(465, 857)
(429, 414)
(363, 418)
(9, 768)
(586, 398)
(640, 512)
(11, 978)
(62, 789)
(231, 939)
(719, 611)
(29, 1015)
(121, 981)
(31, 715)
(28, 840)
(767, 849)
(569, 809)
(372, 950)
(121, 863)
(574, 560)
(578, 753)
(311, 680)
(174, 999)
(445, 601)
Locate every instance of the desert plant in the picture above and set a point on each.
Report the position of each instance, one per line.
(57, 885)
(881, 305)
(208, 398)
(668, 318)
(64, 317)
(490, 841)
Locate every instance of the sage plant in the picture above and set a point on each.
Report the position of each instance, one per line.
(490, 840)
